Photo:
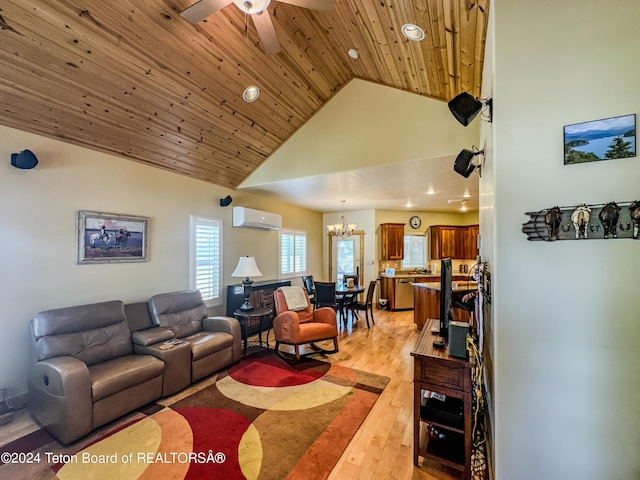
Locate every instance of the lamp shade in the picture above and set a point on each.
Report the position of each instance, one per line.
(247, 268)
(465, 107)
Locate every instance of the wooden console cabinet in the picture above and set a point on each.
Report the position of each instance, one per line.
(441, 435)
(261, 296)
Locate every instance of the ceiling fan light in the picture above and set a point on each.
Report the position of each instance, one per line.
(412, 32)
(251, 94)
(252, 7)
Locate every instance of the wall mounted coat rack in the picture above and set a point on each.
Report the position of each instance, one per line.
(604, 221)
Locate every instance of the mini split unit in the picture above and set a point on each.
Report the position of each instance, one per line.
(247, 217)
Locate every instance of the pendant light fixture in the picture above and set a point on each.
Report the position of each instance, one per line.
(342, 229)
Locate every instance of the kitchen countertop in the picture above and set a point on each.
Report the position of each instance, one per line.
(460, 286)
(410, 275)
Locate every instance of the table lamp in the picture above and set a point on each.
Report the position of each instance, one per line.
(246, 268)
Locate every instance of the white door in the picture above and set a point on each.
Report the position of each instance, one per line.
(346, 255)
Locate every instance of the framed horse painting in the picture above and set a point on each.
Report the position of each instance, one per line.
(110, 238)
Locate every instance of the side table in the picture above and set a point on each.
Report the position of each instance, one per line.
(251, 317)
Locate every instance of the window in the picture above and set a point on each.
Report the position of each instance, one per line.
(293, 253)
(415, 251)
(205, 254)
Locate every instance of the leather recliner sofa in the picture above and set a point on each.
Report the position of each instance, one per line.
(91, 368)
(214, 342)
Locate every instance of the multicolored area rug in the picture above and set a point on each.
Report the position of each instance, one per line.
(262, 419)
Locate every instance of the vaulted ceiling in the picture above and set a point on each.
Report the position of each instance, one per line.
(134, 79)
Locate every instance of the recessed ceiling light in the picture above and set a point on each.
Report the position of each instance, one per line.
(431, 191)
(412, 32)
(353, 53)
(251, 94)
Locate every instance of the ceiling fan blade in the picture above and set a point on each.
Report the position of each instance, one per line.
(202, 9)
(321, 5)
(266, 32)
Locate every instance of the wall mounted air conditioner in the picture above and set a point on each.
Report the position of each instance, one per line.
(248, 217)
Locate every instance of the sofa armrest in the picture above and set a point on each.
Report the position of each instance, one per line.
(150, 336)
(60, 397)
(228, 325)
(222, 324)
(325, 315)
(286, 327)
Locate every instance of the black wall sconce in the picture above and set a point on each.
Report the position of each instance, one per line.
(463, 163)
(226, 201)
(24, 160)
(465, 107)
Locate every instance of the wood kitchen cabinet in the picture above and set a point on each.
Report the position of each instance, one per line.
(391, 241)
(444, 240)
(449, 241)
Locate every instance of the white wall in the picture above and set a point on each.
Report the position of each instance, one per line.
(37, 234)
(362, 125)
(364, 219)
(567, 314)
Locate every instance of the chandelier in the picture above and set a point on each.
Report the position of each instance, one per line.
(342, 229)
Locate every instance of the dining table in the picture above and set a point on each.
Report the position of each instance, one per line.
(345, 295)
(345, 290)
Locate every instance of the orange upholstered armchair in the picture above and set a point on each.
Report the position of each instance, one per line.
(297, 323)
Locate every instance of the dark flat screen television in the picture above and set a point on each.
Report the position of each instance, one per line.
(445, 296)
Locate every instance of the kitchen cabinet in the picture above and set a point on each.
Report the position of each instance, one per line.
(449, 241)
(395, 290)
(387, 291)
(470, 241)
(391, 241)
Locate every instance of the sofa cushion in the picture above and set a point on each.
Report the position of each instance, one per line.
(121, 373)
(186, 322)
(182, 312)
(207, 343)
(138, 316)
(91, 333)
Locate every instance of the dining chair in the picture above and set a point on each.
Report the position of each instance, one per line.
(347, 301)
(326, 297)
(309, 286)
(367, 305)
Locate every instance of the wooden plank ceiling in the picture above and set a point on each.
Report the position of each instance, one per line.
(134, 79)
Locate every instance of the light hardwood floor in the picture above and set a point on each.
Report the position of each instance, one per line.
(383, 446)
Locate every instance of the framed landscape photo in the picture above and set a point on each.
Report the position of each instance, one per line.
(600, 140)
(111, 238)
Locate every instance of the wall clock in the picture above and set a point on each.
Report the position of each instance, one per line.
(415, 222)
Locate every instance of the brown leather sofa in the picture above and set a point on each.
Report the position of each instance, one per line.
(97, 362)
(214, 342)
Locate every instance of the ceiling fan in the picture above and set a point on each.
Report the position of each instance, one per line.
(461, 201)
(259, 13)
